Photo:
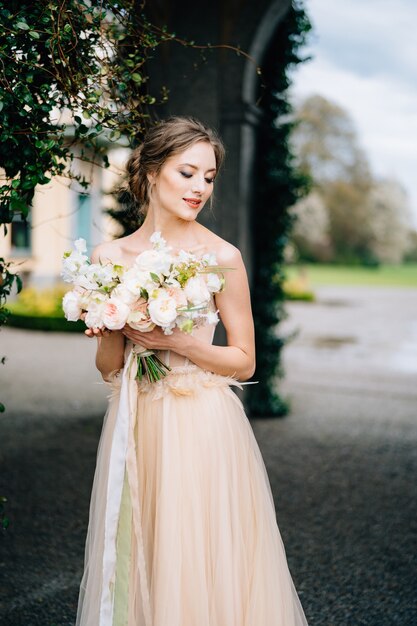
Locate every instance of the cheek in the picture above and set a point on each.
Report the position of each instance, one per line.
(210, 189)
(173, 184)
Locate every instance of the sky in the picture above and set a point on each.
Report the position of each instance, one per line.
(365, 60)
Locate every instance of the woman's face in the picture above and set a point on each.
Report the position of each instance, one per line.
(185, 181)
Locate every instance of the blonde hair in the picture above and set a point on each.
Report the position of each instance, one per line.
(165, 139)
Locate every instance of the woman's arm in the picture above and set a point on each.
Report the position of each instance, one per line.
(238, 357)
(110, 353)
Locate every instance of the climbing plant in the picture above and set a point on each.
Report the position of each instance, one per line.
(72, 72)
(72, 79)
(278, 186)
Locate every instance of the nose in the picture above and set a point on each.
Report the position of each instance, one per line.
(199, 184)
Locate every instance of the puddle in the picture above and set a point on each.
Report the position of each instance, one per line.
(333, 342)
(335, 302)
(404, 357)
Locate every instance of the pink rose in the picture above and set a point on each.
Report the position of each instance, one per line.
(115, 314)
(139, 318)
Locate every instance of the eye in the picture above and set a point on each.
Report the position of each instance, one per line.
(210, 180)
(186, 175)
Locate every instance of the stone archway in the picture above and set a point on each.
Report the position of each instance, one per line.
(222, 92)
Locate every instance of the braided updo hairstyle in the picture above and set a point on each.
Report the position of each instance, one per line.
(165, 139)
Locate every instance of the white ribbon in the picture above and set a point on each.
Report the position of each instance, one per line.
(122, 449)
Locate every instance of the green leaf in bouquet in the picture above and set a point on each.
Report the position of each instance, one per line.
(155, 277)
(118, 269)
(186, 326)
(191, 308)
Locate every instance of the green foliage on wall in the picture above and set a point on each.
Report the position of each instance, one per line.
(72, 72)
(72, 79)
(278, 186)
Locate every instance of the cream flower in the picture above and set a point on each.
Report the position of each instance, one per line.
(94, 315)
(156, 261)
(196, 290)
(209, 258)
(162, 308)
(122, 292)
(214, 283)
(75, 262)
(136, 279)
(212, 317)
(157, 240)
(71, 303)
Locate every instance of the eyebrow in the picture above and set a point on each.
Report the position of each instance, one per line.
(213, 169)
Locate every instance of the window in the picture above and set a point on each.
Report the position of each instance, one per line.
(83, 217)
(21, 236)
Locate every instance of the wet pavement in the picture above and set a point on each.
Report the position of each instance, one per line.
(342, 466)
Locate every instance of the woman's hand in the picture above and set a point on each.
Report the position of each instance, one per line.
(157, 340)
(97, 332)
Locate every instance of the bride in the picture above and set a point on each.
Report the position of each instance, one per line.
(182, 528)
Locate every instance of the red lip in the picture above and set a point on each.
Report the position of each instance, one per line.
(194, 202)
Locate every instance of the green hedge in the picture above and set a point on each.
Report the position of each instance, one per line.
(43, 322)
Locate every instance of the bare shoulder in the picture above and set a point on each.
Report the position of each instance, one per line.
(107, 251)
(226, 253)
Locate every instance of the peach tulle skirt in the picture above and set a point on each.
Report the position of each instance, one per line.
(182, 528)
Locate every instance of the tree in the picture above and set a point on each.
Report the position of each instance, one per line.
(391, 220)
(325, 142)
(311, 228)
(362, 213)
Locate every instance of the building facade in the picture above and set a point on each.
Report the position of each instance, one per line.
(215, 84)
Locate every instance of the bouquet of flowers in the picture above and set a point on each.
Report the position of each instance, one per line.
(160, 289)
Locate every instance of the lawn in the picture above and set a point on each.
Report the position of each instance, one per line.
(383, 276)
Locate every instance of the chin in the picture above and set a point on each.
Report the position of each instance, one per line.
(189, 216)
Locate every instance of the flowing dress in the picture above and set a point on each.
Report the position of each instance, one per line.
(182, 528)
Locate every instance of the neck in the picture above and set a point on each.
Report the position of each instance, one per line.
(175, 231)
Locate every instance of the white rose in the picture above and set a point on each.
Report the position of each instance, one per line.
(196, 290)
(115, 314)
(214, 283)
(94, 315)
(136, 279)
(162, 309)
(122, 292)
(72, 306)
(156, 261)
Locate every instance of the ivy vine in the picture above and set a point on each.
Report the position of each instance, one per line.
(278, 186)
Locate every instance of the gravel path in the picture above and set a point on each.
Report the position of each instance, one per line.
(342, 466)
